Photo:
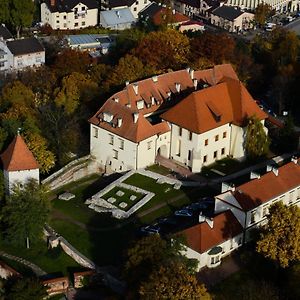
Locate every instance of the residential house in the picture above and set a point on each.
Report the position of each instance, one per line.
(250, 202)
(19, 164)
(191, 26)
(158, 15)
(117, 19)
(5, 33)
(231, 18)
(69, 14)
(16, 55)
(135, 6)
(212, 239)
(192, 117)
(190, 8)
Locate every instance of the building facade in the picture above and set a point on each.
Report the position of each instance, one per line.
(192, 117)
(69, 14)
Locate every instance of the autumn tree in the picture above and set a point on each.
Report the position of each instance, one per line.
(163, 50)
(263, 11)
(21, 13)
(172, 281)
(280, 238)
(257, 141)
(24, 213)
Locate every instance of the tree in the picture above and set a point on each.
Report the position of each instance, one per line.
(257, 141)
(163, 50)
(288, 138)
(172, 282)
(263, 11)
(280, 238)
(21, 14)
(4, 11)
(24, 213)
(2, 187)
(25, 289)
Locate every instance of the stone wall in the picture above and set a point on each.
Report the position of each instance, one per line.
(73, 171)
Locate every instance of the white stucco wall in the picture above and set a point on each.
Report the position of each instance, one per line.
(8, 57)
(138, 6)
(28, 60)
(13, 177)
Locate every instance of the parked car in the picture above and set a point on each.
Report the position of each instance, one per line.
(151, 229)
(184, 213)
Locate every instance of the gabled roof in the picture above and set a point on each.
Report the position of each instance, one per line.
(117, 16)
(5, 33)
(68, 5)
(175, 17)
(214, 106)
(25, 46)
(202, 237)
(120, 3)
(227, 12)
(18, 157)
(150, 10)
(269, 186)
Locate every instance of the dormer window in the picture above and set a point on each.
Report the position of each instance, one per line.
(140, 104)
(107, 117)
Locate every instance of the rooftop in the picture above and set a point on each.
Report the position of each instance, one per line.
(5, 33)
(115, 17)
(227, 12)
(25, 46)
(68, 5)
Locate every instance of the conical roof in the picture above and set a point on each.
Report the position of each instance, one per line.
(18, 157)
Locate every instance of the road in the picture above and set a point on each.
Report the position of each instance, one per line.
(294, 26)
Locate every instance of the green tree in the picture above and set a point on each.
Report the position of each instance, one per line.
(172, 282)
(280, 238)
(257, 141)
(263, 11)
(2, 187)
(21, 14)
(25, 289)
(288, 138)
(24, 213)
(4, 11)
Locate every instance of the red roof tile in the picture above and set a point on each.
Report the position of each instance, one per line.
(18, 157)
(202, 237)
(268, 186)
(159, 16)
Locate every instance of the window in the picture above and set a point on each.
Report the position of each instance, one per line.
(224, 134)
(190, 135)
(137, 2)
(76, 17)
(95, 132)
(189, 155)
(65, 17)
(121, 144)
(83, 8)
(206, 142)
(252, 219)
(223, 151)
(265, 211)
(216, 137)
(111, 139)
(83, 24)
(134, 9)
(215, 154)
(57, 21)
(149, 145)
(178, 148)
(180, 131)
(1, 64)
(215, 260)
(1, 56)
(205, 158)
(145, 1)
(115, 154)
(76, 24)
(65, 25)
(291, 196)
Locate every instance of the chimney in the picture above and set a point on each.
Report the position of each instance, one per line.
(127, 82)
(254, 175)
(192, 74)
(294, 160)
(177, 86)
(195, 83)
(136, 88)
(154, 78)
(152, 100)
(227, 187)
(135, 117)
(116, 100)
(52, 2)
(269, 168)
(201, 217)
(188, 69)
(275, 171)
(119, 122)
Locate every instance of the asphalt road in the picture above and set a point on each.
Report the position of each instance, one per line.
(294, 26)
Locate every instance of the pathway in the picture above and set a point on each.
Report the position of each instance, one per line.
(37, 270)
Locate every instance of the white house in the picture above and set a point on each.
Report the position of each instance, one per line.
(117, 19)
(193, 117)
(69, 14)
(212, 239)
(249, 202)
(19, 164)
(231, 18)
(190, 8)
(135, 6)
(19, 54)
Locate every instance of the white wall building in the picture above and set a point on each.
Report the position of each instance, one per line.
(193, 117)
(19, 164)
(118, 19)
(69, 14)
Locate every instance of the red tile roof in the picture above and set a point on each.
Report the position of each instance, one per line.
(18, 157)
(175, 18)
(202, 237)
(226, 102)
(156, 95)
(268, 186)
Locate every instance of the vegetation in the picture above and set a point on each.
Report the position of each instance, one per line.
(262, 12)
(279, 240)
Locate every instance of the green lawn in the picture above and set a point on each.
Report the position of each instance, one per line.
(50, 260)
(159, 169)
(125, 198)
